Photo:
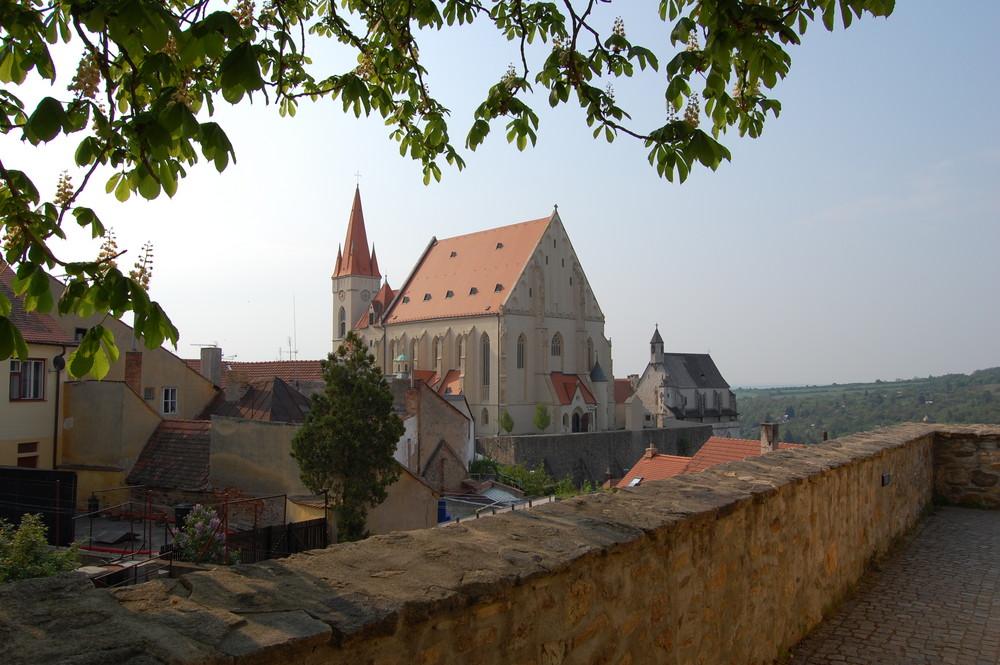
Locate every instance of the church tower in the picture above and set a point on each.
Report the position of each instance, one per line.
(656, 348)
(356, 278)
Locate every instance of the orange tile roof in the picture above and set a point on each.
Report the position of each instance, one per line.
(286, 370)
(451, 383)
(566, 386)
(356, 260)
(467, 275)
(428, 376)
(657, 467)
(623, 390)
(379, 304)
(717, 450)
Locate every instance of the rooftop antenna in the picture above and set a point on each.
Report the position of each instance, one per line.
(295, 334)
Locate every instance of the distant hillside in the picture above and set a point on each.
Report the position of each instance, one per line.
(806, 412)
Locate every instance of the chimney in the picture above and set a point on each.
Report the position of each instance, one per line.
(768, 437)
(133, 370)
(211, 364)
(650, 451)
(237, 385)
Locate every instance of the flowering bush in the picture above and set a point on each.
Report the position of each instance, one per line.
(201, 539)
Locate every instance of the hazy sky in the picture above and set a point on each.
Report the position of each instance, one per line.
(858, 239)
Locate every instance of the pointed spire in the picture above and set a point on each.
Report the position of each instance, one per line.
(375, 272)
(656, 347)
(356, 259)
(340, 258)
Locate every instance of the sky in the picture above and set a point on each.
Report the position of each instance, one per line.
(856, 239)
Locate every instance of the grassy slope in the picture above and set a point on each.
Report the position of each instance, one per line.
(806, 412)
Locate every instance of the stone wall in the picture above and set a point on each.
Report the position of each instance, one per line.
(967, 468)
(589, 455)
(732, 565)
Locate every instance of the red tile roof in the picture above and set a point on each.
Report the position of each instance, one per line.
(428, 376)
(37, 328)
(175, 457)
(717, 450)
(451, 384)
(379, 304)
(286, 370)
(566, 386)
(623, 390)
(356, 260)
(467, 275)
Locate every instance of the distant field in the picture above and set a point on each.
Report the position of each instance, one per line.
(806, 412)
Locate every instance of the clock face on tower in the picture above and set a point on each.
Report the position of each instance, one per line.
(342, 294)
(365, 296)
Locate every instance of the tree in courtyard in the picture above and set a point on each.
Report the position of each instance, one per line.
(542, 418)
(24, 552)
(151, 72)
(346, 444)
(506, 421)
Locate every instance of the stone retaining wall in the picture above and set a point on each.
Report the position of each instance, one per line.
(587, 456)
(732, 565)
(967, 469)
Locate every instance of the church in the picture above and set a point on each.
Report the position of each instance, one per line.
(504, 317)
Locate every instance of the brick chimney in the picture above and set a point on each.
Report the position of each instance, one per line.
(133, 370)
(211, 364)
(768, 437)
(650, 451)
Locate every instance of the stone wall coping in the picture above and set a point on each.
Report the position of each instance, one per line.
(357, 591)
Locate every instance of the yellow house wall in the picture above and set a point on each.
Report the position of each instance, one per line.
(254, 456)
(105, 424)
(411, 505)
(160, 368)
(29, 421)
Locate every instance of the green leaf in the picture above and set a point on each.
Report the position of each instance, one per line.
(11, 340)
(45, 122)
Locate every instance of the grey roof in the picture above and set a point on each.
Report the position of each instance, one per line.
(656, 337)
(692, 370)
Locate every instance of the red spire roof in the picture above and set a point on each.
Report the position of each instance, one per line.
(356, 259)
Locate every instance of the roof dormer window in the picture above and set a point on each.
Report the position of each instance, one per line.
(499, 245)
(453, 255)
(450, 294)
(406, 299)
(498, 288)
(427, 297)
(473, 291)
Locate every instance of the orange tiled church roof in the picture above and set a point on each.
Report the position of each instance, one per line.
(467, 275)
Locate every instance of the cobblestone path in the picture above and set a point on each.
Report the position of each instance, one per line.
(935, 602)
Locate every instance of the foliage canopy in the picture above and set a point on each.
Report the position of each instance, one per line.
(151, 73)
(346, 445)
(542, 418)
(24, 552)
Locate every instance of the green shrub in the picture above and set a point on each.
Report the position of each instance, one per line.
(25, 553)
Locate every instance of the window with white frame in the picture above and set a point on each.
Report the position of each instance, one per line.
(169, 400)
(27, 379)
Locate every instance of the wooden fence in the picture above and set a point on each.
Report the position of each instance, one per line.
(274, 542)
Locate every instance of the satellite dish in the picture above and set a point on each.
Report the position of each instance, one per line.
(59, 362)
